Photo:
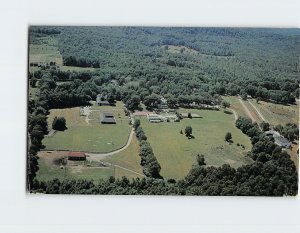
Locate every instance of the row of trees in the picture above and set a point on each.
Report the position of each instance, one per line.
(151, 167)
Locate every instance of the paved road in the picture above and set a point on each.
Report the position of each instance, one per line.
(258, 112)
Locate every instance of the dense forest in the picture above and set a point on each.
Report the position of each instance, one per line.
(185, 65)
(263, 63)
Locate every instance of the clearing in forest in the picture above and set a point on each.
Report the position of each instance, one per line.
(91, 136)
(176, 153)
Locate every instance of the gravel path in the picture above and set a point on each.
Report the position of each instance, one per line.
(247, 110)
(258, 112)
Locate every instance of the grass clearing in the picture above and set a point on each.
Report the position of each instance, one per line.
(176, 153)
(236, 105)
(129, 158)
(178, 49)
(76, 69)
(45, 51)
(81, 136)
(48, 170)
(277, 113)
(253, 112)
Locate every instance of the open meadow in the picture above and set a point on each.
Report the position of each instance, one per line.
(85, 134)
(51, 169)
(277, 113)
(176, 153)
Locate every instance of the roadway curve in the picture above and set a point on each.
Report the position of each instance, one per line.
(101, 155)
(234, 113)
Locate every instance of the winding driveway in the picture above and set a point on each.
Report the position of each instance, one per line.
(101, 155)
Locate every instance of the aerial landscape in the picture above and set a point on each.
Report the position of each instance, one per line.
(163, 111)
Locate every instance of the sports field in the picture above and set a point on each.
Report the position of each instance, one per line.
(88, 135)
(176, 153)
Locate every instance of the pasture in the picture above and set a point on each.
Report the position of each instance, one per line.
(128, 158)
(176, 153)
(87, 135)
(277, 113)
(49, 169)
(236, 105)
(45, 51)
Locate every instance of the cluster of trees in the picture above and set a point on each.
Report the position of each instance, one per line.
(81, 62)
(59, 123)
(37, 128)
(151, 166)
(289, 131)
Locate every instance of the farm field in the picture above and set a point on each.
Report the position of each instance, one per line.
(277, 113)
(45, 51)
(252, 111)
(49, 170)
(91, 136)
(176, 153)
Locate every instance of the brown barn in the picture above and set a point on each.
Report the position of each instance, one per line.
(76, 156)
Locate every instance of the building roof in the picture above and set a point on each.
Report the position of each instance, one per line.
(76, 154)
(282, 141)
(108, 120)
(107, 114)
(107, 117)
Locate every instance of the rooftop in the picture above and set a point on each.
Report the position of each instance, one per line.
(76, 154)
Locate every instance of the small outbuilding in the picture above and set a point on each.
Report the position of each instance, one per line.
(79, 156)
(107, 118)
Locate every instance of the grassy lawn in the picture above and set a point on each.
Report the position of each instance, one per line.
(48, 170)
(177, 154)
(128, 158)
(81, 136)
(236, 105)
(278, 113)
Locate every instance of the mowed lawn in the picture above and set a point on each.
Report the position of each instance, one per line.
(48, 170)
(176, 153)
(277, 113)
(87, 137)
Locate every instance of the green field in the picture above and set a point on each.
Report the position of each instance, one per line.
(88, 137)
(176, 153)
(236, 105)
(45, 51)
(128, 158)
(48, 170)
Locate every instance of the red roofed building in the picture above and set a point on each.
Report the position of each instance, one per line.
(76, 155)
